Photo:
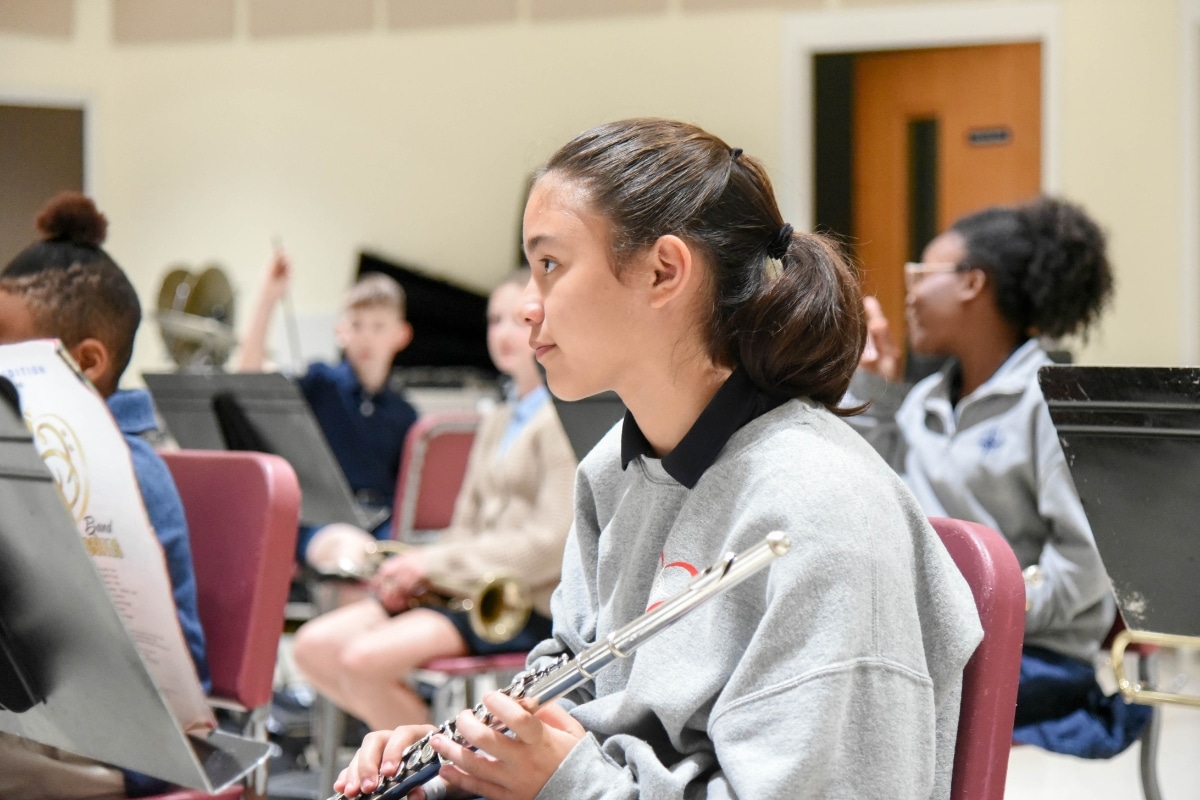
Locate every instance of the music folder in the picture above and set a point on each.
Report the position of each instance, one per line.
(81, 684)
(263, 411)
(1131, 436)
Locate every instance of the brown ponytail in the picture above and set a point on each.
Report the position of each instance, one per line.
(797, 331)
(802, 333)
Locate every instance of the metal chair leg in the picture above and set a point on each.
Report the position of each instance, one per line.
(1148, 741)
(332, 728)
(256, 728)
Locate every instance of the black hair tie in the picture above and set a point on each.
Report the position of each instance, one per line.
(779, 245)
(735, 153)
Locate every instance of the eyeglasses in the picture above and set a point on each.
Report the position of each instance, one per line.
(915, 270)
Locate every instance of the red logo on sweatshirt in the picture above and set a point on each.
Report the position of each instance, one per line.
(670, 579)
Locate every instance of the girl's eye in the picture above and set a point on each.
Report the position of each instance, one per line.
(548, 265)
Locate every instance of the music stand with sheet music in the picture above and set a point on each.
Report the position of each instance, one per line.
(83, 687)
(1131, 436)
(263, 411)
(586, 421)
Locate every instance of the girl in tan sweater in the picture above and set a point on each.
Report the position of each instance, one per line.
(511, 517)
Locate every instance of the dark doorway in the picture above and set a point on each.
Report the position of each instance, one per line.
(41, 154)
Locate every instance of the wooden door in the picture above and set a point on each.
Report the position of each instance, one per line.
(937, 133)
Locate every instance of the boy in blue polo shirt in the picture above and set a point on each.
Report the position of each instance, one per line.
(364, 421)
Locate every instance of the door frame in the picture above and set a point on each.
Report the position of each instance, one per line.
(810, 33)
(1189, 159)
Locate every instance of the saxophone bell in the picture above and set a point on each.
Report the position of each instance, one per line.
(497, 606)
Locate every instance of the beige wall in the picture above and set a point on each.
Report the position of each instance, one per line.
(415, 142)
(1120, 148)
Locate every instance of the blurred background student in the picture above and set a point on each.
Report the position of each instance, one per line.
(511, 518)
(363, 418)
(975, 440)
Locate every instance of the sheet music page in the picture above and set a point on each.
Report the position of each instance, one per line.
(86, 453)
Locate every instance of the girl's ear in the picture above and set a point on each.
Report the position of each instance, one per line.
(94, 360)
(975, 283)
(671, 270)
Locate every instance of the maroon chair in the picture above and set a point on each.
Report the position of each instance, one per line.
(242, 509)
(432, 469)
(432, 465)
(989, 698)
(458, 683)
(232, 793)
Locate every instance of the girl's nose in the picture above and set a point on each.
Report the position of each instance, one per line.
(530, 312)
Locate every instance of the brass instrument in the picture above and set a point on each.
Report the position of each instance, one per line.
(497, 607)
(419, 763)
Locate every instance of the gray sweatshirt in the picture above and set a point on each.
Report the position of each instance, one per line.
(836, 672)
(996, 460)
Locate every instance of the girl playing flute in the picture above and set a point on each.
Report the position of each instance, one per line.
(664, 271)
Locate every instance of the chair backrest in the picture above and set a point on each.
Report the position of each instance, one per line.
(432, 465)
(242, 510)
(989, 699)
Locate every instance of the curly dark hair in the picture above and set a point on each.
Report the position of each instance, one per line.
(72, 287)
(1046, 259)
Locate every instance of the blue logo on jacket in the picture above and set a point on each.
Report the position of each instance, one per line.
(991, 440)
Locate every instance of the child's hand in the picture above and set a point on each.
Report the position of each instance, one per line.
(508, 767)
(396, 580)
(277, 276)
(880, 355)
(378, 755)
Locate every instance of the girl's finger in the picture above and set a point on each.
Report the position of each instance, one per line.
(400, 738)
(524, 725)
(557, 717)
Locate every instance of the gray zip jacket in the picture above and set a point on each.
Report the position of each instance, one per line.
(835, 673)
(996, 460)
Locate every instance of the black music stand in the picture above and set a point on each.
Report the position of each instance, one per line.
(1131, 436)
(82, 686)
(262, 411)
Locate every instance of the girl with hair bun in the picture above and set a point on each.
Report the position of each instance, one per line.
(67, 287)
(975, 440)
(663, 271)
(71, 289)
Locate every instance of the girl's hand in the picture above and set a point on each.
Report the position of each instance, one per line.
(378, 756)
(881, 355)
(508, 767)
(396, 580)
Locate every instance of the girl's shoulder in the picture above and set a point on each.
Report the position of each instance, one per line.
(802, 440)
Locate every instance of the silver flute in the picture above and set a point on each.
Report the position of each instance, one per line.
(419, 764)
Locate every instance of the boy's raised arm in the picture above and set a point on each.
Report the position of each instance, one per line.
(253, 344)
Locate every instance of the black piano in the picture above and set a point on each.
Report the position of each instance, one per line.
(449, 322)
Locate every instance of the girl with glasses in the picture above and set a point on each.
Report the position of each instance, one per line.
(975, 440)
